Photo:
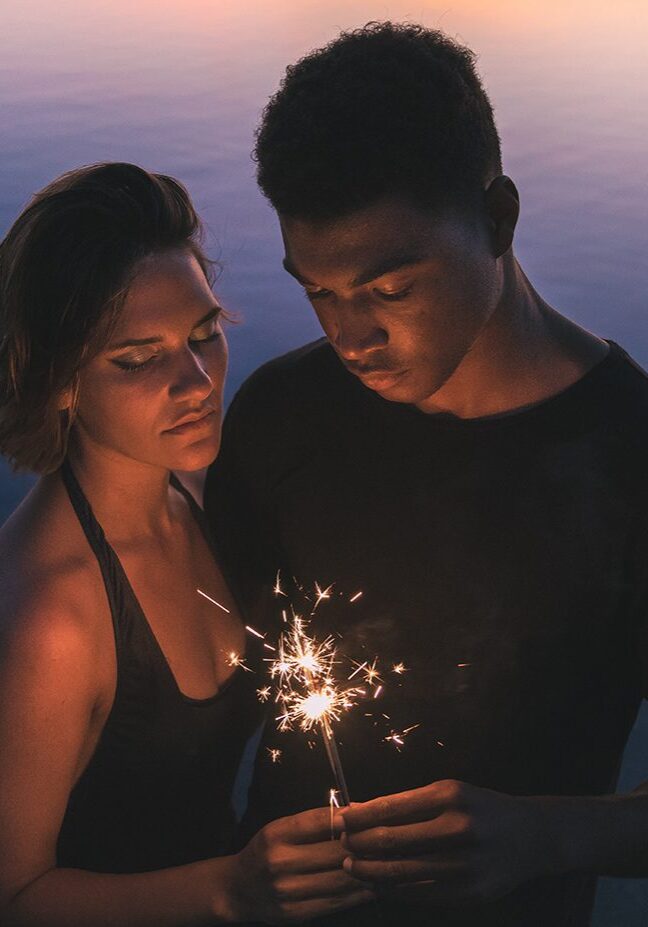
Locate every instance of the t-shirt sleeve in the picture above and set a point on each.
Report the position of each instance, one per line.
(237, 512)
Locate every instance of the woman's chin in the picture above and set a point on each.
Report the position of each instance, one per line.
(197, 456)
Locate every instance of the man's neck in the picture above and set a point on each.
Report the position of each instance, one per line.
(526, 353)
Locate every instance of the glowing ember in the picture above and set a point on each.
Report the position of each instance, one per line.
(399, 669)
(263, 694)
(333, 804)
(275, 754)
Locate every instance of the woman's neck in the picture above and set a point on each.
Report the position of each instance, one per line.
(129, 498)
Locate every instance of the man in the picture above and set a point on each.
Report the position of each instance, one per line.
(472, 461)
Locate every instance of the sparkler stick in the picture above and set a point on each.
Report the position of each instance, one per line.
(334, 761)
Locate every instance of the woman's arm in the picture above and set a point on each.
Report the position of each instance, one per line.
(48, 694)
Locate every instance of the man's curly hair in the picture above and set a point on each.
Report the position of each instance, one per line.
(388, 109)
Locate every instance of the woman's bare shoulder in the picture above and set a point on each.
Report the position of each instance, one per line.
(49, 576)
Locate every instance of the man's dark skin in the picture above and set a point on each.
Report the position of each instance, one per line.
(432, 309)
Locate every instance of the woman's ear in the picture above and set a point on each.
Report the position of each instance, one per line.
(68, 397)
(64, 400)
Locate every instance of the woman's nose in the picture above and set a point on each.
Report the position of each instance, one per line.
(191, 380)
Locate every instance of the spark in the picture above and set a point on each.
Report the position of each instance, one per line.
(275, 754)
(440, 743)
(372, 675)
(277, 586)
(263, 694)
(252, 631)
(463, 664)
(398, 737)
(359, 667)
(399, 669)
(321, 594)
(234, 659)
(355, 597)
(378, 691)
(213, 601)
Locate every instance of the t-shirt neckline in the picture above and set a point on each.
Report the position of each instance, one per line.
(522, 414)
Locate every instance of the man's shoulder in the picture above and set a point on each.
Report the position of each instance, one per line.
(300, 379)
(627, 391)
(303, 365)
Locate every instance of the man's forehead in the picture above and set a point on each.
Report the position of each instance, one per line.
(363, 246)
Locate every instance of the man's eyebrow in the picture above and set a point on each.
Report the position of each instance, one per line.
(155, 339)
(386, 265)
(292, 270)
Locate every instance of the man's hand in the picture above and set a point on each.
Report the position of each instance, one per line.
(467, 844)
(292, 871)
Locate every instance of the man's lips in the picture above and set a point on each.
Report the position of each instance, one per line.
(376, 377)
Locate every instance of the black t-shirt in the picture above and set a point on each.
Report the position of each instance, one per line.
(502, 560)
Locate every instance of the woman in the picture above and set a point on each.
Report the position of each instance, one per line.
(123, 714)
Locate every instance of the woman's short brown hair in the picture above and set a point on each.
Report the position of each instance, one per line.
(65, 268)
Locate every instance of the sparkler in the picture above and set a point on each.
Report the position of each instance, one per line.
(307, 690)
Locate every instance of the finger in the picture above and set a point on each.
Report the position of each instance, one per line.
(307, 910)
(403, 807)
(397, 871)
(450, 829)
(317, 885)
(312, 826)
(314, 857)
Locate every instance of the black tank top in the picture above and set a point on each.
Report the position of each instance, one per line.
(157, 791)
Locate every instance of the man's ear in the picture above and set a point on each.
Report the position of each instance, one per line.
(502, 202)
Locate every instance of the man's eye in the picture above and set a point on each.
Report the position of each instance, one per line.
(394, 296)
(316, 294)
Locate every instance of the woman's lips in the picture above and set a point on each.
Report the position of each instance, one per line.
(205, 421)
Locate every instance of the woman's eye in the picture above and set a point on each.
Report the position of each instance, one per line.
(134, 365)
(209, 332)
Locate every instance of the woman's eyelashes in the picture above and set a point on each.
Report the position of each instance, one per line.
(204, 335)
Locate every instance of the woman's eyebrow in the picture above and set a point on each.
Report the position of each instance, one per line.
(155, 339)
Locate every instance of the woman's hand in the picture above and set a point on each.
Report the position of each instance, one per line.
(292, 871)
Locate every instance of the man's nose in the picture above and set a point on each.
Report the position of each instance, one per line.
(358, 333)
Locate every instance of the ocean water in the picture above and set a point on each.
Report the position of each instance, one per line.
(178, 87)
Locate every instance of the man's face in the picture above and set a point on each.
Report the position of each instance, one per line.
(402, 294)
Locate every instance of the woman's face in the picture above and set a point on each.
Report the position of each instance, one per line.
(154, 393)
